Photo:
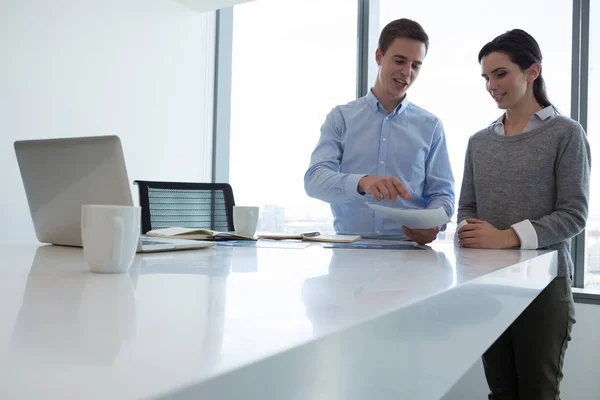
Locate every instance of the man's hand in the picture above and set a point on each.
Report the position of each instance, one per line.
(421, 236)
(383, 188)
(478, 234)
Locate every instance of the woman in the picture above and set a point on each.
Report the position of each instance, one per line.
(526, 185)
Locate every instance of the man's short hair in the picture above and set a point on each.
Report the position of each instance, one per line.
(402, 27)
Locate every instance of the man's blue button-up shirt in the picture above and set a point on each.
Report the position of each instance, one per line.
(361, 138)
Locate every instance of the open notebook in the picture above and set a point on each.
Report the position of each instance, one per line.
(195, 234)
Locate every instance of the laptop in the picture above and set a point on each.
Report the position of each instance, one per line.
(60, 175)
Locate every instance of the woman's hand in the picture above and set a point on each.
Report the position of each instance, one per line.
(478, 234)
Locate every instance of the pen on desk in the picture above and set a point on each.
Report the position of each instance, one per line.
(310, 234)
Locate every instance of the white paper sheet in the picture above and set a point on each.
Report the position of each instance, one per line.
(413, 219)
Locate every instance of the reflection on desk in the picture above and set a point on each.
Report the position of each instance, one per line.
(351, 292)
(78, 318)
(71, 314)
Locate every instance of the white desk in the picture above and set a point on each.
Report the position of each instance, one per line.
(231, 323)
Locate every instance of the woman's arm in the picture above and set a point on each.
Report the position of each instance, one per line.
(572, 193)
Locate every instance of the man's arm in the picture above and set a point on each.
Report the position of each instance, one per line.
(439, 181)
(323, 179)
(439, 186)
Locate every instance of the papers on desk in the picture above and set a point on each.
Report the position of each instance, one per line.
(273, 244)
(312, 237)
(413, 219)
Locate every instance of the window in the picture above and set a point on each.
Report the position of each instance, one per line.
(450, 85)
(293, 61)
(592, 268)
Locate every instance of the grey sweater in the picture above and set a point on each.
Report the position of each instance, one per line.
(542, 176)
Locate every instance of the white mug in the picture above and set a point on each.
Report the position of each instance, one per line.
(110, 236)
(245, 220)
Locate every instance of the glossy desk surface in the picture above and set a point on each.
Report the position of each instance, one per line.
(256, 323)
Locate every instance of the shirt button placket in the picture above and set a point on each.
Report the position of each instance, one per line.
(383, 148)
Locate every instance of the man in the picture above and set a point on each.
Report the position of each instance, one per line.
(381, 147)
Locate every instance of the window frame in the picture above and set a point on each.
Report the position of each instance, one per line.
(222, 93)
(579, 110)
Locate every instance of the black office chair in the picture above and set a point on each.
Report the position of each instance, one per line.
(186, 204)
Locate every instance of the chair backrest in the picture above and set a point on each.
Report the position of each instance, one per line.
(186, 204)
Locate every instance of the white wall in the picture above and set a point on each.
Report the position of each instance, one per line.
(581, 368)
(142, 69)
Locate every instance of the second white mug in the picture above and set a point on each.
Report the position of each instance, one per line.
(245, 220)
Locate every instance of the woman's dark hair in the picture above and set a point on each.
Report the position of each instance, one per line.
(523, 50)
(402, 27)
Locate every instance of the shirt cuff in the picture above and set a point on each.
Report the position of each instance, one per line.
(527, 234)
(460, 225)
(351, 186)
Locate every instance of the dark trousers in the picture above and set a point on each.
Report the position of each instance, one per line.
(525, 363)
